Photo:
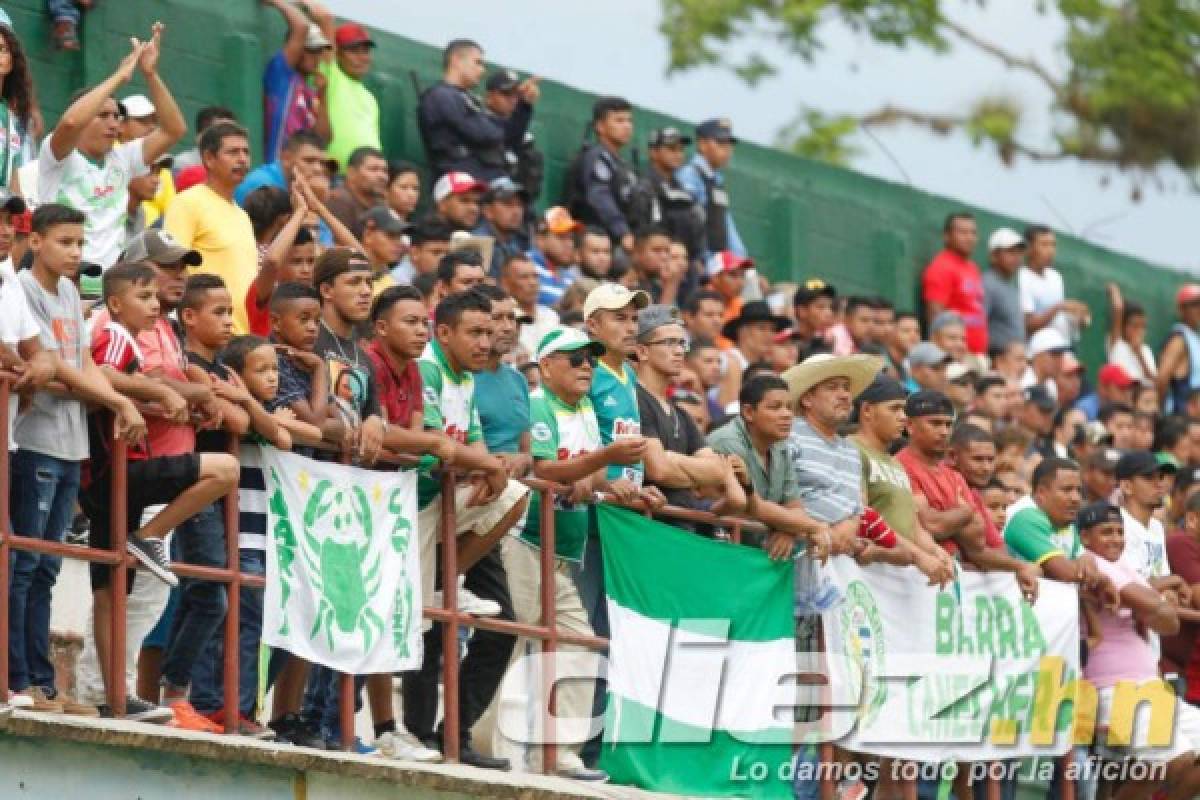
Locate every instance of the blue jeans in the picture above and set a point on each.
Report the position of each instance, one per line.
(208, 676)
(62, 10)
(322, 700)
(42, 499)
(202, 604)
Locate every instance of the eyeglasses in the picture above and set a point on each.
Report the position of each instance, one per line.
(578, 358)
(682, 344)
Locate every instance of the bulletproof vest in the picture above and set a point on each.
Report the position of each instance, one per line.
(444, 144)
(715, 212)
(682, 216)
(527, 166)
(573, 194)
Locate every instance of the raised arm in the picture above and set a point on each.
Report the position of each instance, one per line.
(77, 116)
(171, 124)
(297, 22)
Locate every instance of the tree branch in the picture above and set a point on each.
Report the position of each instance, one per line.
(1010, 60)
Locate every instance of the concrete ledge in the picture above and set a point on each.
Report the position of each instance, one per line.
(450, 780)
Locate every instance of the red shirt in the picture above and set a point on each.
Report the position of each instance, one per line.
(258, 318)
(956, 283)
(991, 534)
(399, 392)
(1183, 554)
(941, 486)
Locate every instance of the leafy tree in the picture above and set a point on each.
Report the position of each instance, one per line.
(1130, 98)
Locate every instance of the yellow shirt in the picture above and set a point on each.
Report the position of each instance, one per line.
(155, 207)
(381, 281)
(203, 220)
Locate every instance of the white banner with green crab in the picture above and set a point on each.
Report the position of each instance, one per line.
(343, 576)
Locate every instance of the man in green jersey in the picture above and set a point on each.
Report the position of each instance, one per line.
(567, 449)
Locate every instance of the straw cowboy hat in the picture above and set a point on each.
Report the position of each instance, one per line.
(860, 370)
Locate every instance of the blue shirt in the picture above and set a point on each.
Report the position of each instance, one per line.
(289, 104)
(270, 174)
(551, 285)
(502, 398)
(689, 176)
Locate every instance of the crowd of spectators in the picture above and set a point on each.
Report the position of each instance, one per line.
(617, 338)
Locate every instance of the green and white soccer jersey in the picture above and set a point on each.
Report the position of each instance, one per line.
(559, 432)
(449, 407)
(614, 398)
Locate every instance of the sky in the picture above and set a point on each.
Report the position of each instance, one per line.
(616, 48)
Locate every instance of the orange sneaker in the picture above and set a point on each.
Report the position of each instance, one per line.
(189, 719)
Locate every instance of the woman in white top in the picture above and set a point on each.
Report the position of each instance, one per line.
(1126, 340)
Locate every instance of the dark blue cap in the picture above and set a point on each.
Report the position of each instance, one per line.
(720, 129)
(1095, 514)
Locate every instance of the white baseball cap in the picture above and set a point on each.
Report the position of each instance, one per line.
(613, 296)
(137, 106)
(564, 339)
(1004, 239)
(1048, 340)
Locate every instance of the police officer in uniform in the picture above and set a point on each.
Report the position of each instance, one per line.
(511, 100)
(660, 199)
(599, 184)
(705, 182)
(459, 133)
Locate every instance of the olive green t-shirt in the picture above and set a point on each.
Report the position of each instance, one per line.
(888, 490)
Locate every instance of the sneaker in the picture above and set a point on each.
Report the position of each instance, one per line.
(20, 700)
(79, 531)
(139, 710)
(40, 702)
(188, 719)
(153, 556)
(65, 35)
(246, 726)
(403, 746)
(469, 602)
(290, 729)
(6, 711)
(359, 748)
(571, 766)
(74, 708)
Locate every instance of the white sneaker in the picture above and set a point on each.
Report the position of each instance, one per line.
(403, 746)
(20, 700)
(571, 766)
(469, 602)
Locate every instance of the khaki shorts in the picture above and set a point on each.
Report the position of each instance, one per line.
(478, 519)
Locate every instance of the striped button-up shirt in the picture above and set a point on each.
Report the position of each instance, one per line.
(829, 473)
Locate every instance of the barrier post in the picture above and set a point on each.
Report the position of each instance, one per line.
(547, 565)
(5, 552)
(118, 516)
(449, 539)
(232, 615)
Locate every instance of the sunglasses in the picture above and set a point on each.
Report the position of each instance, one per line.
(578, 358)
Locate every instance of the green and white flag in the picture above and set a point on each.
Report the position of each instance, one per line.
(343, 577)
(701, 630)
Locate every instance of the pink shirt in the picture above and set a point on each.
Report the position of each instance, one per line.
(161, 349)
(1122, 654)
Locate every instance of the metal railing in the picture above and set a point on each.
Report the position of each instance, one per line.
(547, 633)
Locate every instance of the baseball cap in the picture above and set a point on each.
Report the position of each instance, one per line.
(1104, 459)
(1005, 239)
(5, 19)
(666, 137)
(315, 38)
(137, 106)
(503, 80)
(1137, 463)
(558, 220)
(651, 318)
(720, 129)
(1040, 397)
(503, 188)
(928, 403)
(351, 33)
(958, 371)
(1187, 294)
(927, 354)
(12, 203)
(382, 218)
(945, 319)
(883, 389)
(1115, 375)
(1048, 340)
(727, 261)
(613, 296)
(1096, 514)
(563, 339)
(1071, 364)
(810, 290)
(160, 247)
(337, 260)
(456, 183)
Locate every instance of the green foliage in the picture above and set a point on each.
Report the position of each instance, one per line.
(1130, 96)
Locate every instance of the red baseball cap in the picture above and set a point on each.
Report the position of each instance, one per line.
(1115, 375)
(1188, 293)
(351, 33)
(456, 183)
(727, 261)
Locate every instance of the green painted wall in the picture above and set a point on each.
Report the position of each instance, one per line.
(799, 218)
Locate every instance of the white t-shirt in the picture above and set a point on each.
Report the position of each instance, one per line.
(100, 190)
(1041, 292)
(1122, 353)
(16, 325)
(1146, 554)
